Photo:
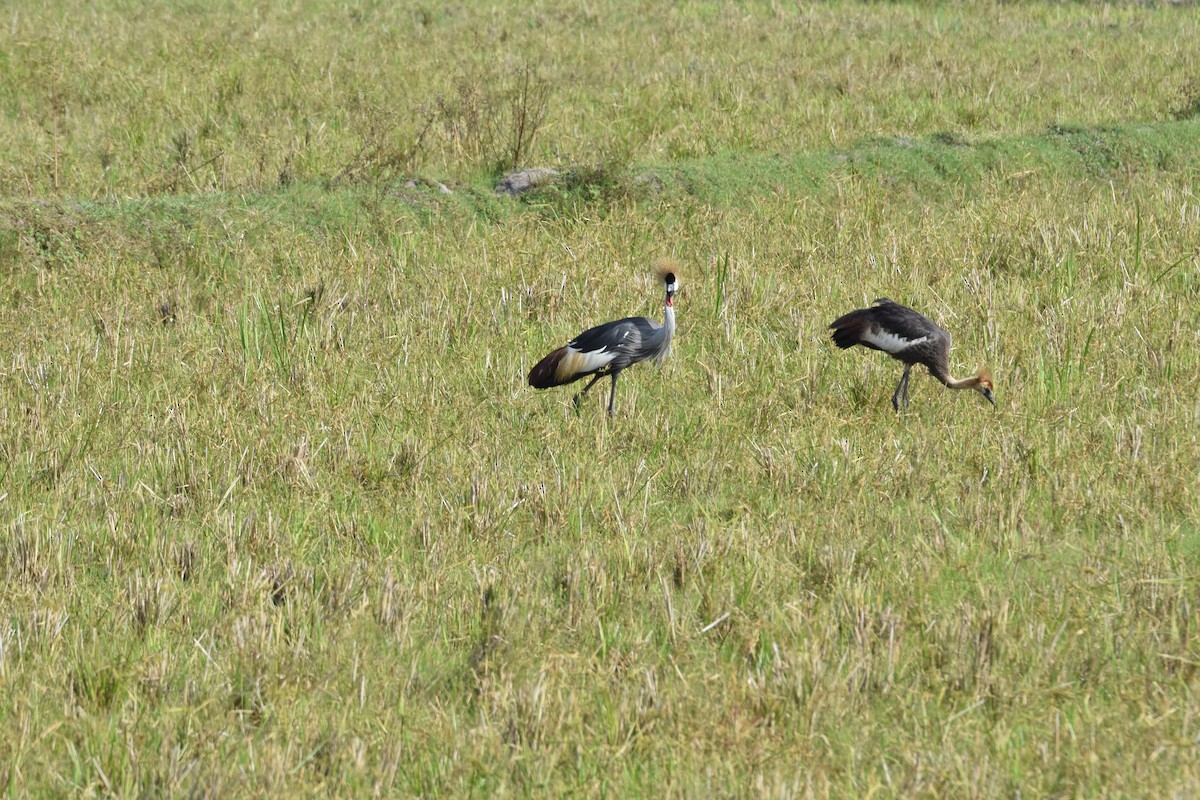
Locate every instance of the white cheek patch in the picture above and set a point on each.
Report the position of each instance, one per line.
(890, 342)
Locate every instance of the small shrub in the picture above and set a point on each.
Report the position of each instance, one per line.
(494, 121)
(384, 152)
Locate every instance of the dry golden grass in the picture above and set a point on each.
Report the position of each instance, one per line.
(280, 516)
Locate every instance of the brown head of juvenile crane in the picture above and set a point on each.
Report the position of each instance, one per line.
(612, 347)
(908, 337)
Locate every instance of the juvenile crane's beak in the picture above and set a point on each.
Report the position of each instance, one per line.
(988, 394)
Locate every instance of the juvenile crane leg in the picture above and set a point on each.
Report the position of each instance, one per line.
(579, 397)
(902, 387)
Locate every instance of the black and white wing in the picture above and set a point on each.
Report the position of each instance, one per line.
(605, 348)
(895, 328)
(606, 343)
(889, 327)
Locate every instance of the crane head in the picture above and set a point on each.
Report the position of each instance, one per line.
(668, 270)
(984, 386)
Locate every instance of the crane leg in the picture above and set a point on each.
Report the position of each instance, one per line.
(592, 382)
(612, 396)
(901, 389)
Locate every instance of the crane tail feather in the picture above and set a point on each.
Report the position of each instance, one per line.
(545, 373)
(566, 365)
(848, 329)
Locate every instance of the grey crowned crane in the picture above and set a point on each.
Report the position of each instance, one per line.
(909, 337)
(610, 348)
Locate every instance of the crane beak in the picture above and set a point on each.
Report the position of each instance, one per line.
(988, 394)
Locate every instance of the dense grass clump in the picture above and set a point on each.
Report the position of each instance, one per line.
(280, 515)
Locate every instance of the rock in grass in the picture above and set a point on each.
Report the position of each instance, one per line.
(423, 183)
(515, 183)
(649, 181)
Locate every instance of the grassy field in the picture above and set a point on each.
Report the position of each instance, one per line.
(281, 517)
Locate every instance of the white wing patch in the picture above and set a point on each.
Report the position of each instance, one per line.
(578, 362)
(890, 342)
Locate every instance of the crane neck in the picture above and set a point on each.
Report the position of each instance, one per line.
(669, 317)
(661, 343)
(960, 383)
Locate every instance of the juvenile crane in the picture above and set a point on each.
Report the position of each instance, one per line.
(610, 348)
(906, 336)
